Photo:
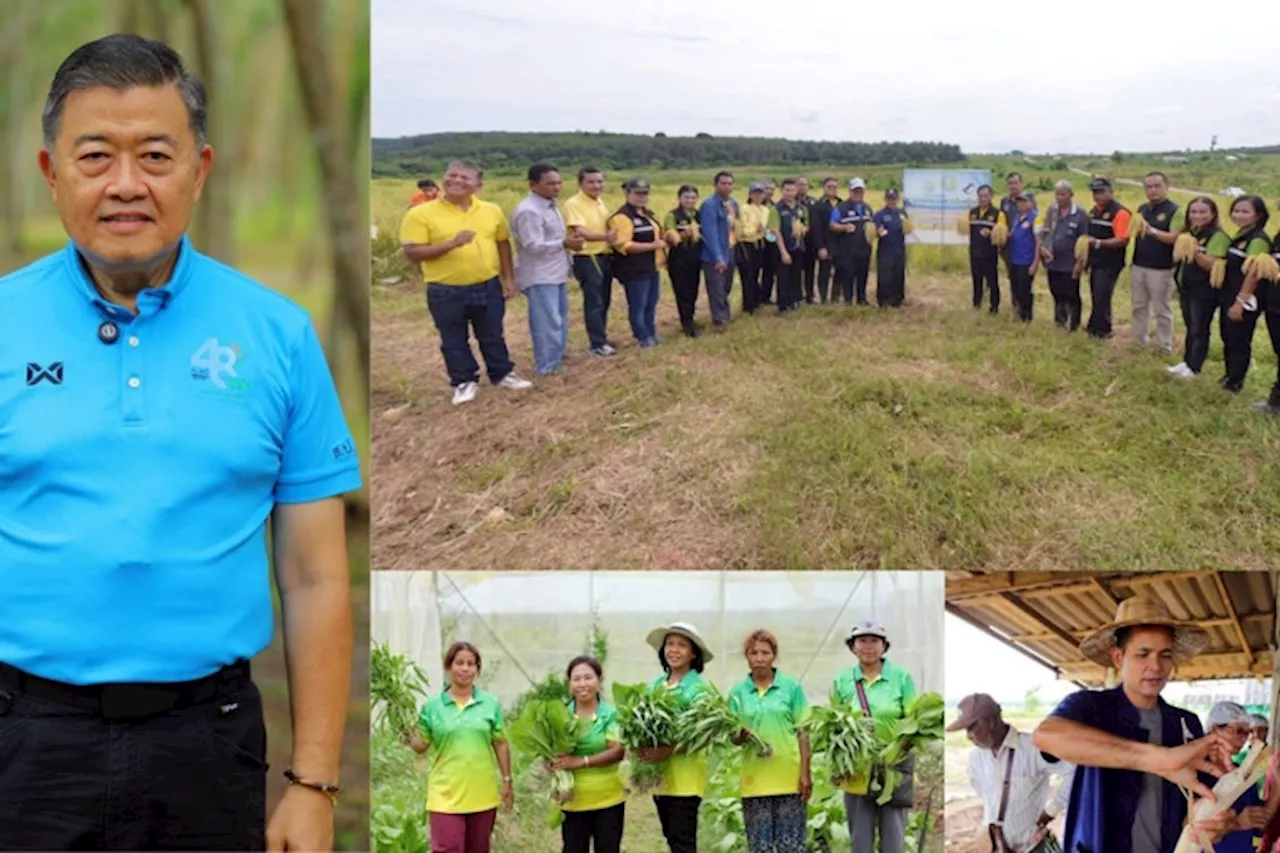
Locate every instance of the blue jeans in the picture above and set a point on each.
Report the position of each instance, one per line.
(642, 306)
(595, 275)
(548, 324)
(459, 309)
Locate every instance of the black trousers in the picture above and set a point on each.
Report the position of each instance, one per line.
(891, 280)
(750, 260)
(1020, 292)
(986, 275)
(789, 283)
(1197, 314)
(601, 828)
(1008, 268)
(852, 274)
(1067, 306)
(1102, 286)
(770, 269)
(807, 268)
(825, 270)
(1237, 341)
(133, 767)
(685, 278)
(679, 819)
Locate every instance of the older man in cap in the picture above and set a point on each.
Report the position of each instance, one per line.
(1250, 813)
(1135, 753)
(1063, 225)
(1012, 777)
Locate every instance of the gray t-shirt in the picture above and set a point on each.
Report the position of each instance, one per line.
(1147, 820)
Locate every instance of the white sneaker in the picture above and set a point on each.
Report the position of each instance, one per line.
(1185, 372)
(465, 393)
(513, 382)
(604, 351)
(1177, 368)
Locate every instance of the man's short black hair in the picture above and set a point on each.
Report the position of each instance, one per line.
(123, 61)
(986, 187)
(588, 170)
(720, 175)
(788, 182)
(427, 184)
(1012, 175)
(538, 170)
(1161, 175)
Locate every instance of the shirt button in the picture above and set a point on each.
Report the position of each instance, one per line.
(134, 382)
(133, 340)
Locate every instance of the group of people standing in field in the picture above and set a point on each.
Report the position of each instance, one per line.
(802, 250)
(471, 773)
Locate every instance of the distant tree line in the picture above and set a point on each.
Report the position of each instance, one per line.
(412, 156)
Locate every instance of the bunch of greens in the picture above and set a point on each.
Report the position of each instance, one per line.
(710, 722)
(921, 723)
(399, 685)
(546, 729)
(647, 718)
(846, 737)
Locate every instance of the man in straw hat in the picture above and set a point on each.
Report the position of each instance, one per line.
(1012, 819)
(1135, 753)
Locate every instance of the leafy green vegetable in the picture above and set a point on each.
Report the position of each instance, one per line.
(845, 737)
(647, 718)
(399, 685)
(921, 723)
(710, 722)
(546, 729)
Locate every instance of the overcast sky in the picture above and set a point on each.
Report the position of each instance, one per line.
(1050, 78)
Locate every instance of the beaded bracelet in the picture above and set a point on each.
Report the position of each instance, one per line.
(330, 791)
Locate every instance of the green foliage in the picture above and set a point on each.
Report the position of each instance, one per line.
(844, 737)
(398, 821)
(648, 718)
(399, 685)
(710, 722)
(553, 686)
(545, 730)
(921, 724)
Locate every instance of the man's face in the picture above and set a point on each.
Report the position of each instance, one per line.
(789, 192)
(1063, 195)
(802, 187)
(1024, 206)
(831, 189)
(724, 186)
(1102, 197)
(1156, 189)
(983, 732)
(461, 182)
(891, 201)
(592, 184)
(1146, 662)
(858, 195)
(125, 171)
(984, 197)
(1237, 735)
(1014, 184)
(431, 193)
(769, 189)
(549, 185)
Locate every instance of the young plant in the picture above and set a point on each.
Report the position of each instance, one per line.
(921, 723)
(647, 718)
(710, 722)
(545, 730)
(844, 737)
(397, 687)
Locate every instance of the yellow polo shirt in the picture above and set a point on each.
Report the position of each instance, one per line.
(590, 214)
(440, 221)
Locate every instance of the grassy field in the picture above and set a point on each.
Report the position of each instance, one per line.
(932, 437)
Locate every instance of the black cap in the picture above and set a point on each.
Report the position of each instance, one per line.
(636, 184)
(890, 193)
(1099, 184)
(1026, 195)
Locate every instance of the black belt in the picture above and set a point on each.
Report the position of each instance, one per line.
(473, 284)
(126, 701)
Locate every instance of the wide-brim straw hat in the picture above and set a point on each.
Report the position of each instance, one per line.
(658, 638)
(1189, 639)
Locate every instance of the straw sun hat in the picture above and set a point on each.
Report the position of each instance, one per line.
(1189, 639)
(658, 638)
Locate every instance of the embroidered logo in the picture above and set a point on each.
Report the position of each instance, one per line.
(216, 364)
(51, 374)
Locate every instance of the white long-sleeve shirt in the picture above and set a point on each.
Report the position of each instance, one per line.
(1028, 789)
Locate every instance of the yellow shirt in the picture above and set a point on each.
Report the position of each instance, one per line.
(751, 224)
(591, 215)
(440, 221)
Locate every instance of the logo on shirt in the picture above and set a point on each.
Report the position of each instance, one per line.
(216, 364)
(1160, 217)
(51, 374)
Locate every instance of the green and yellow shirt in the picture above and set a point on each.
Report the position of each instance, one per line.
(686, 775)
(464, 769)
(887, 696)
(774, 714)
(597, 787)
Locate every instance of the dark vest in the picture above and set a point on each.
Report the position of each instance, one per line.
(858, 214)
(685, 253)
(787, 217)
(980, 246)
(1150, 252)
(1194, 279)
(1102, 226)
(1236, 256)
(628, 267)
(820, 223)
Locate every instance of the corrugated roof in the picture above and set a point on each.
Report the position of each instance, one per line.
(1045, 615)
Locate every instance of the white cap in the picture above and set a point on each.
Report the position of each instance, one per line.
(1228, 714)
(857, 184)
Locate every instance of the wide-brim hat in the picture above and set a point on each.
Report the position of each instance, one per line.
(658, 638)
(867, 628)
(1189, 639)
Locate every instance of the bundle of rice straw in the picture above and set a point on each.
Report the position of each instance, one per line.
(1265, 267)
(1218, 274)
(999, 234)
(1140, 227)
(1226, 791)
(869, 232)
(1185, 247)
(1082, 247)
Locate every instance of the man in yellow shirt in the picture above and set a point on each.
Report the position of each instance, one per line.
(464, 248)
(587, 216)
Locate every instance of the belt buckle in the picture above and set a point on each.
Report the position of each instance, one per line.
(135, 701)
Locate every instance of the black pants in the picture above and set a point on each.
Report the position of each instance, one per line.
(1237, 341)
(851, 275)
(1197, 314)
(986, 275)
(807, 273)
(595, 276)
(891, 279)
(770, 269)
(1008, 268)
(750, 259)
(679, 819)
(789, 284)
(601, 826)
(95, 769)
(1102, 286)
(685, 278)
(1020, 292)
(1067, 306)
(825, 270)
(1273, 329)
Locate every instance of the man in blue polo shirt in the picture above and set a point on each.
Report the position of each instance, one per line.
(1133, 751)
(156, 409)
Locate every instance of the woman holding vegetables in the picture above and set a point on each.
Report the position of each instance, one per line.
(596, 812)
(774, 789)
(683, 655)
(883, 691)
(463, 727)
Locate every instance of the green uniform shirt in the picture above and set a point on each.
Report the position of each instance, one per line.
(887, 696)
(1218, 245)
(686, 775)
(774, 715)
(463, 777)
(597, 787)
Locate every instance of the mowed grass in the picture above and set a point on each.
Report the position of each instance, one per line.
(932, 437)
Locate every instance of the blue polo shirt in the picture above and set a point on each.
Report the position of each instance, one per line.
(1104, 802)
(1022, 239)
(137, 476)
(894, 243)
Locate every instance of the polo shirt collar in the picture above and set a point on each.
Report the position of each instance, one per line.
(447, 698)
(546, 202)
(885, 668)
(751, 682)
(150, 299)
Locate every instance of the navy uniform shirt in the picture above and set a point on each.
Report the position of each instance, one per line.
(893, 244)
(137, 476)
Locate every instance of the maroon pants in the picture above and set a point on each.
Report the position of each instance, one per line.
(462, 833)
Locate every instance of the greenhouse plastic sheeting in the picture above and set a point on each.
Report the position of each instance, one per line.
(529, 624)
